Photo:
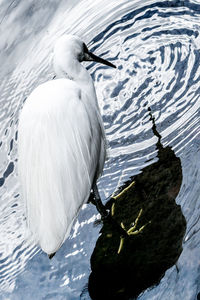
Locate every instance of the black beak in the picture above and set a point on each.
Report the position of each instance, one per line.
(89, 56)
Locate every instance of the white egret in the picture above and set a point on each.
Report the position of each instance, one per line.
(61, 145)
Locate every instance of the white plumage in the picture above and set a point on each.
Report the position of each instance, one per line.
(61, 146)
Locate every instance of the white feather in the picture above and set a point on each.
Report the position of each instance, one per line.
(61, 152)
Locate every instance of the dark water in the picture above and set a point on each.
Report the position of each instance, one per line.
(155, 46)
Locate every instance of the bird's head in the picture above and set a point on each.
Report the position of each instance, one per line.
(70, 48)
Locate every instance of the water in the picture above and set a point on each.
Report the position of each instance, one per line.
(155, 46)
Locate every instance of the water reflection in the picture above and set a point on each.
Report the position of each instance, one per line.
(125, 267)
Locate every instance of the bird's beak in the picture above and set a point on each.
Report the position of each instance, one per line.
(89, 56)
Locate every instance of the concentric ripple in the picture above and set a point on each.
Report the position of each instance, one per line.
(156, 47)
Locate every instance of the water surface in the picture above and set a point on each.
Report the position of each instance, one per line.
(155, 45)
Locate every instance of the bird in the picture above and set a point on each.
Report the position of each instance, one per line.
(61, 145)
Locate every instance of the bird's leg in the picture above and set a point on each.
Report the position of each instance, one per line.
(104, 213)
(97, 202)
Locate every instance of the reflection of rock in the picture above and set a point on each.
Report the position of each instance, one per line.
(146, 256)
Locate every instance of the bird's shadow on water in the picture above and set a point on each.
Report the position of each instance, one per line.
(122, 268)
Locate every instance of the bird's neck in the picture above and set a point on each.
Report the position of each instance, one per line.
(75, 71)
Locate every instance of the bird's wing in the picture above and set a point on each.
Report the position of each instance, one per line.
(59, 149)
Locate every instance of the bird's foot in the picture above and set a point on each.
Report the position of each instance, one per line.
(132, 230)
